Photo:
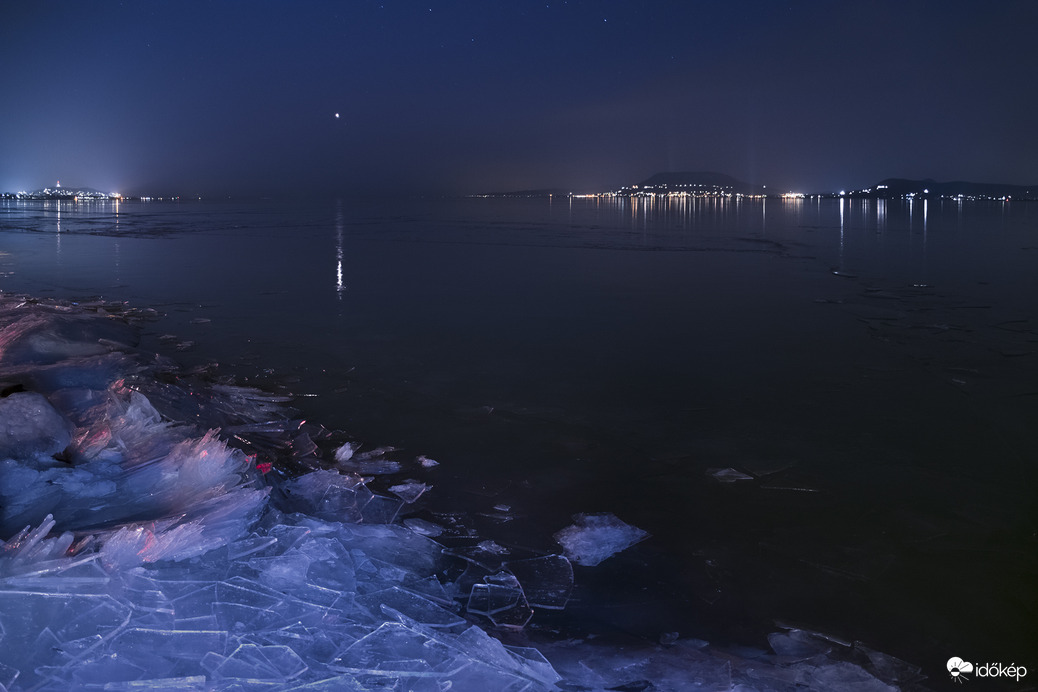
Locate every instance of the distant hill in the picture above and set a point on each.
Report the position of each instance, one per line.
(703, 181)
(68, 193)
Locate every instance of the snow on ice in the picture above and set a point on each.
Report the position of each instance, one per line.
(163, 532)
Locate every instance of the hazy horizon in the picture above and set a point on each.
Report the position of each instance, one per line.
(417, 192)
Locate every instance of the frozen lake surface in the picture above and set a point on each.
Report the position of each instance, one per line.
(821, 412)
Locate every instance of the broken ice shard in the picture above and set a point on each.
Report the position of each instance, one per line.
(250, 662)
(397, 600)
(328, 495)
(797, 644)
(547, 581)
(345, 452)
(30, 426)
(409, 491)
(500, 598)
(729, 475)
(423, 527)
(593, 538)
(426, 462)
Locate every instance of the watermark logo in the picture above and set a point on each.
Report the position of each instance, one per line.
(959, 670)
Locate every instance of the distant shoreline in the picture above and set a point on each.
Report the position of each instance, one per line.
(711, 184)
(667, 185)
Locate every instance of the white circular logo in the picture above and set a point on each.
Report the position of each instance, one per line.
(958, 668)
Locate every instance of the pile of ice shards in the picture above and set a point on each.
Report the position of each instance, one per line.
(164, 532)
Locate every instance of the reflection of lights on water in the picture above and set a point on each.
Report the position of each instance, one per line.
(679, 208)
(841, 232)
(340, 287)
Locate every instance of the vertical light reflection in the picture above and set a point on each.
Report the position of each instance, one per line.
(881, 214)
(925, 202)
(796, 203)
(340, 287)
(57, 235)
(841, 232)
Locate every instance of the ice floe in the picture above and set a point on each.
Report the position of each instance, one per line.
(592, 538)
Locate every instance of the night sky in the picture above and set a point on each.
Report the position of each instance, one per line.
(240, 98)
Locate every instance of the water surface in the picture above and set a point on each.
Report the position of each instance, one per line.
(871, 366)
